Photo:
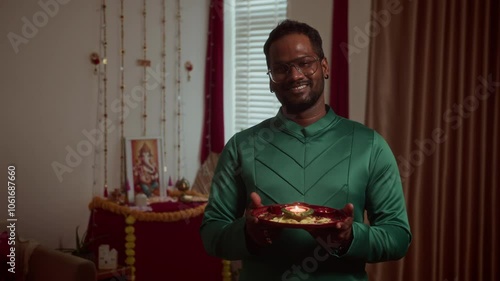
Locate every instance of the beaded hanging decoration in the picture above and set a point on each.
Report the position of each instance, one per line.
(163, 84)
(178, 84)
(96, 60)
(144, 63)
(101, 97)
(122, 94)
(105, 95)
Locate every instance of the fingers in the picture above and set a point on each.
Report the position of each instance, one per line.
(261, 236)
(267, 237)
(256, 201)
(251, 219)
(348, 209)
(344, 224)
(344, 229)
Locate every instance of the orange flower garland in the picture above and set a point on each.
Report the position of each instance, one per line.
(226, 270)
(130, 244)
(107, 205)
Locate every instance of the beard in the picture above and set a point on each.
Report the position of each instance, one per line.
(293, 107)
(296, 103)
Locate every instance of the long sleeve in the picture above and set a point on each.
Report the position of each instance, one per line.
(222, 229)
(388, 235)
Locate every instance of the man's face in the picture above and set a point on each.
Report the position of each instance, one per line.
(297, 92)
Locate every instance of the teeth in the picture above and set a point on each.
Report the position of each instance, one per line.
(299, 87)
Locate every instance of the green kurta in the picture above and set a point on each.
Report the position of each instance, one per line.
(331, 162)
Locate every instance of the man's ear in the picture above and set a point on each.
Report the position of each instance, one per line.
(324, 67)
(271, 86)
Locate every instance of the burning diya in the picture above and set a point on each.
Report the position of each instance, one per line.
(298, 215)
(297, 212)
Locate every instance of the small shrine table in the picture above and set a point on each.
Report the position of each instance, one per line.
(162, 244)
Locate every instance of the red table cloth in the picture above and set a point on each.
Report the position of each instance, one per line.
(163, 250)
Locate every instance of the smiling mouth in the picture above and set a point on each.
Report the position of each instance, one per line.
(298, 88)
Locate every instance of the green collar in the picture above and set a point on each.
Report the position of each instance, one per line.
(286, 125)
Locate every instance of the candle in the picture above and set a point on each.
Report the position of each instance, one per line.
(297, 209)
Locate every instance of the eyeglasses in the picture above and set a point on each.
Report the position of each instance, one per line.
(305, 65)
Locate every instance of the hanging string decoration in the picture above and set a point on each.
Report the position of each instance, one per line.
(189, 67)
(163, 122)
(95, 60)
(178, 86)
(144, 62)
(105, 95)
(122, 96)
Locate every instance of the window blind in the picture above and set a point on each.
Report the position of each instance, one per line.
(254, 19)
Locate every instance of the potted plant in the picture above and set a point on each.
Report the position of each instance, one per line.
(82, 246)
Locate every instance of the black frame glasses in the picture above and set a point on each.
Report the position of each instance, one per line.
(307, 65)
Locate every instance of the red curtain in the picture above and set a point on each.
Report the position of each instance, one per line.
(339, 83)
(212, 139)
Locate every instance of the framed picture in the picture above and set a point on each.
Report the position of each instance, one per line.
(144, 167)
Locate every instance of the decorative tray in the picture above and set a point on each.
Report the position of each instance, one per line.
(298, 215)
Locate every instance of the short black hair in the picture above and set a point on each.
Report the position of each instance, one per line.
(288, 27)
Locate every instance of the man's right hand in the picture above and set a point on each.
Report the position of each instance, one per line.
(258, 234)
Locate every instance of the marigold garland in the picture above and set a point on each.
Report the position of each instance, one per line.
(226, 270)
(130, 244)
(113, 207)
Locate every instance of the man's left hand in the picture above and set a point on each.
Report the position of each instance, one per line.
(340, 232)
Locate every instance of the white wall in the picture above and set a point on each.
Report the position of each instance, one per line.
(50, 98)
(318, 14)
(359, 17)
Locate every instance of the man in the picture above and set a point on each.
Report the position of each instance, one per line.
(305, 154)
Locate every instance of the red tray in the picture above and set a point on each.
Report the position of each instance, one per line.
(266, 213)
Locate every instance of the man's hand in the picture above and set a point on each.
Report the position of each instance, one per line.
(258, 234)
(341, 232)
